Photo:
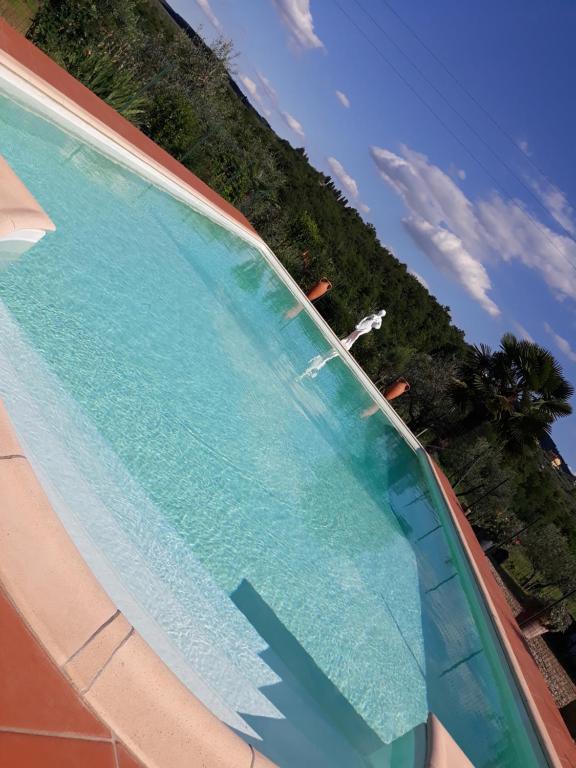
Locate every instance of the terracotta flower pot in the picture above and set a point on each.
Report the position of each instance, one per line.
(399, 387)
(321, 287)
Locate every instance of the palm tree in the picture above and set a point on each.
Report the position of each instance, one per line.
(520, 388)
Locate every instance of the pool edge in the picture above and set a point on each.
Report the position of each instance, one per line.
(540, 704)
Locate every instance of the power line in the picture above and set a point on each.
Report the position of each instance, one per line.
(445, 125)
(466, 122)
(469, 94)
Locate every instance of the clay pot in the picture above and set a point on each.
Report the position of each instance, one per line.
(399, 387)
(321, 287)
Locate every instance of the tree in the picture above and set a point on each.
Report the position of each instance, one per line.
(172, 122)
(520, 388)
(305, 231)
(64, 27)
(484, 481)
(556, 562)
(427, 405)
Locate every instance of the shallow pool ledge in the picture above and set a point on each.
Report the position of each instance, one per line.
(109, 665)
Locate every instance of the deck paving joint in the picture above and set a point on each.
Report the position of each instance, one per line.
(94, 634)
(55, 734)
(108, 660)
(115, 751)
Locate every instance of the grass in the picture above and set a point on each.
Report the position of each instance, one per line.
(518, 567)
(19, 13)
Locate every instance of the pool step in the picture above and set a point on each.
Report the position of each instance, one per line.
(23, 222)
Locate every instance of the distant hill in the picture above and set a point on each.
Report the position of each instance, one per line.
(193, 35)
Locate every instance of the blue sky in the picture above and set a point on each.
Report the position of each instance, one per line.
(450, 126)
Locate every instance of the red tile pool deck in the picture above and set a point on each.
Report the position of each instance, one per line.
(44, 723)
(45, 719)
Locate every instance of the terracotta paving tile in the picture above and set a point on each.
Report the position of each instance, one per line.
(125, 758)
(19, 750)
(34, 694)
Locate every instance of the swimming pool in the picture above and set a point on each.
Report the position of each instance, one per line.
(290, 560)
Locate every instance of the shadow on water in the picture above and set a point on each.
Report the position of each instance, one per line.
(319, 726)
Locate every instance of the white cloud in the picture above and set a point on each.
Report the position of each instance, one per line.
(363, 208)
(348, 184)
(441, 219)
(298, 19)
(293, 124)
(522, 332)
(343, 99)
(562, 343)
(267, 96)
(264, 95)
(488, 230)
(419, 278)
(525, 147)
(427, 191)
(513, 233)
(457, 173)
(554, 200)
(267, 87)
(204, 5)
(448, 253)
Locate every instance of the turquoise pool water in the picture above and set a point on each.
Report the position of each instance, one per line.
(288, 556)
